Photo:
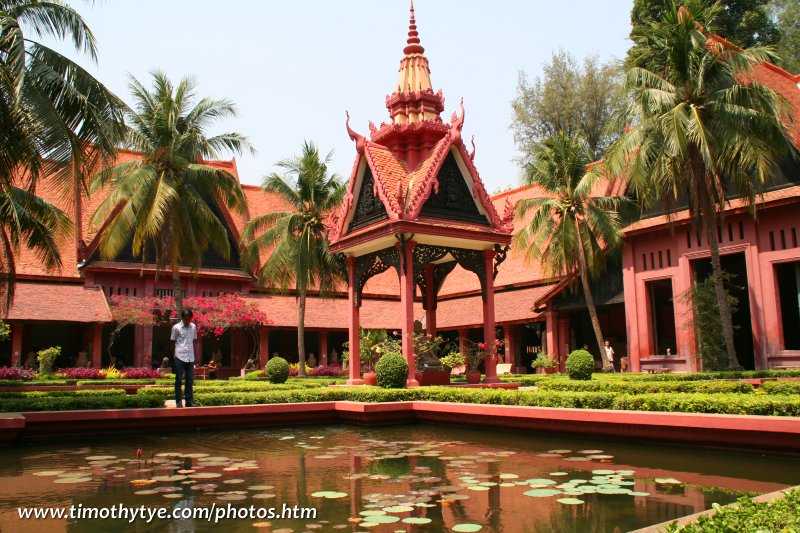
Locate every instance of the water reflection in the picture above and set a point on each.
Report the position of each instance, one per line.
(413, 478)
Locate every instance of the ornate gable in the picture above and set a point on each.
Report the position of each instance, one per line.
(453, 199)
(368, 208)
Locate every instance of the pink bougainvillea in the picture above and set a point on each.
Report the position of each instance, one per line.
(214, 315)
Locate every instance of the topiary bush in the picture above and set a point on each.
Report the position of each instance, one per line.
(277, 370)
(580, 365)
(47, 359)
(392, 371)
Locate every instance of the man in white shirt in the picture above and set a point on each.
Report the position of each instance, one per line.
(183, 335)
(610, 354)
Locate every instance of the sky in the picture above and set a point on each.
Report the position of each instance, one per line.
(294, 67)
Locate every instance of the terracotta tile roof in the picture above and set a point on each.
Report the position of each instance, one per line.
(510, 306)
(388, 172)
(59, 302)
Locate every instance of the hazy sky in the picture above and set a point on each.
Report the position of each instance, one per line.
(293, 68)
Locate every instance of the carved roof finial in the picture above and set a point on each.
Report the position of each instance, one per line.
(359, 139)
(413, 36)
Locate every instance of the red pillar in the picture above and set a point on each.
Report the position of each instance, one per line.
(490, 362)
(16, 343)
(354, 340)
(430, 301)
(407, 303)
(97, 345)
(323, 347)
(263, 346)
(511, 347)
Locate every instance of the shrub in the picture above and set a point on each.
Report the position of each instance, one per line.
(80, 373)
(255, 374)
(453, 360)
(643, 387)
(140, 373)
(47, 359)
(544, 360)
(294, 369)
(780, 387)
(94, 401)
(706, 322)
(580, 365)
(112, 373)
(392, 371)
(277, 370)
(327, 370)
(16, 373)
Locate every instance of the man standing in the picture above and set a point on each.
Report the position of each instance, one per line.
(183, 335)
(610, 354)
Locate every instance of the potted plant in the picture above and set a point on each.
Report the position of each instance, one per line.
(452, 360)
(544, 363)
(474, 357)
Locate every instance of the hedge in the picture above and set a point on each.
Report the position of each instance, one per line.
(241, 386)
(744, 404)
(780, 387)
(746, 515)
(643, 387)
(60, 394)
(125, 401)
(31, 382)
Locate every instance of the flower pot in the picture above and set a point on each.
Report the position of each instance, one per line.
(370, 378)
(433, 377)
(473, 378)
(551, 370)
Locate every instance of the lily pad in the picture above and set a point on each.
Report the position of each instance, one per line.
(331, 495)
(65, 480)
(466, 528)
(48, 473)
(398, 509)
(416, 520)
(570, 501)
(372, 513)
(541, 493)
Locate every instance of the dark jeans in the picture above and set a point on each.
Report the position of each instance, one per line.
(183, 369)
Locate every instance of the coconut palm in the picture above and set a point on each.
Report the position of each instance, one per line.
(701, 129)
(56, 120)
(295, 241)
(164, 205)
(569, 230)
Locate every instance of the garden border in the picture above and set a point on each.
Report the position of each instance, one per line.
(776, 434)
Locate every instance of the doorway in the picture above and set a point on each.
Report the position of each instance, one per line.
(735, 265)
(662, 316)
(788, 276)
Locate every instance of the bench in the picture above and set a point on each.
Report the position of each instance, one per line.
(663, 370)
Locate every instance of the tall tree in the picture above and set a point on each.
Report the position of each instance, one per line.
(701, 129)
(164, 205)
(745, 23)
(787, 17)
(568, 97)
(295, 242)
(56, 120)
(569, 230)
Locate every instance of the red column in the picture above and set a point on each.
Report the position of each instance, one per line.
(430, 301)
(407, 303)
(16, 343)
(97, 345)
(490, 362)
(323, 347)
(463, 347)
(511, 347)
(263, 346)
(354, 339)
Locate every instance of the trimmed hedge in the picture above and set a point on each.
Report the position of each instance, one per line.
(277, 370)
(31, 382)
(60, 394)
(780, 387)
(743, 404)
(746, 515)
(241, 386)
(392, 371)
(643, 387)
(580, 365)
(61, 403)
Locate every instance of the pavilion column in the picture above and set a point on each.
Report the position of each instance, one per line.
(263, 346)
(407, 303)
(97, 345)
(551, 337)
(463, 336)
(511, 347)
(323, 347)
(490, 361)
(354, 338)
(430, 301)
(16, 343)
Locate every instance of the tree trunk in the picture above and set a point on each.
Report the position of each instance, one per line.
(587, 292)
(301, 332)
(722, 294)
(177, 292)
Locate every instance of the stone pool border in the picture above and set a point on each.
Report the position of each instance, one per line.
(774, 434)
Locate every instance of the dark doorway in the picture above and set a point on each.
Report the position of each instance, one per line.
(532, 336)
(162, 346)
(662, 316)
(222, 344)
(788, 275)
(736, 267)
(122, 349)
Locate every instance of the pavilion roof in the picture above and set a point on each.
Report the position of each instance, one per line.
(59, 302)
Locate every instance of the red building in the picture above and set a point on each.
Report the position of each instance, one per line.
(414, 173)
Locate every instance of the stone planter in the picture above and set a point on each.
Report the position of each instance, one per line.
(433, 377)
(370, 378)
(473, 378)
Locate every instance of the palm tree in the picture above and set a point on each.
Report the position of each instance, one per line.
(700, 128)
(569, 230)
(295, 241)
(164, 204)
(56, 120)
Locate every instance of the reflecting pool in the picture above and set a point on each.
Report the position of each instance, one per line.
(401, 478)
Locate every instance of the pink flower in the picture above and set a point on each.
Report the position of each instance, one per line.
(139, 453)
